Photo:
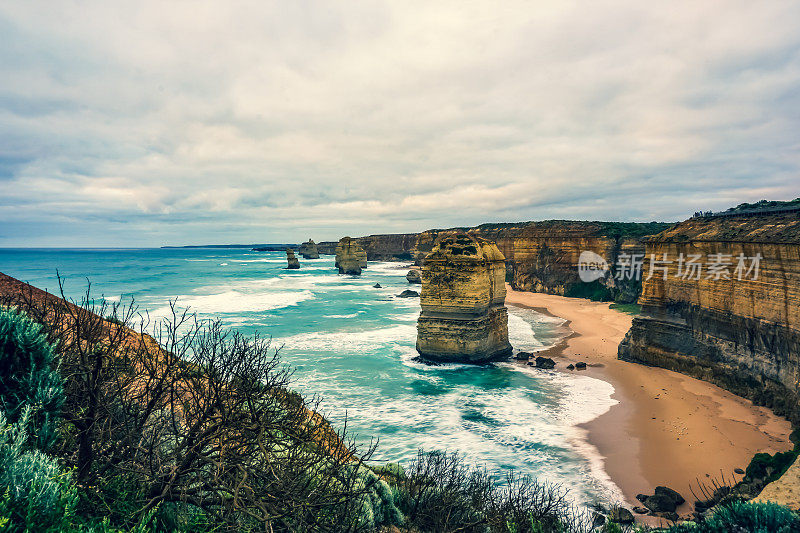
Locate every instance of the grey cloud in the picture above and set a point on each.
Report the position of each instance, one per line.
(155, 123)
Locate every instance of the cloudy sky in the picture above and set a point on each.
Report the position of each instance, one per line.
(151, 122)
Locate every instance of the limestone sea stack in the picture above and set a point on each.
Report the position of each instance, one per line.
(309, 250)
(463, 317)
(350, 257)
(291, 259)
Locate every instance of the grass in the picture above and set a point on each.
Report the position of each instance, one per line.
(631, 309)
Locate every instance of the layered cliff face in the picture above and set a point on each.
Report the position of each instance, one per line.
(731, 319)
(389, 247)
(309, 250)
(463, 293)
(350, 257)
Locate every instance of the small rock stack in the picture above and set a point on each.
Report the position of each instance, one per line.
(414, 276)
(350, 257)
(309, 250)
(463, 317)
(291, 259)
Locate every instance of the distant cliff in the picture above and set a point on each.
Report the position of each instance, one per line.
(737, 322)
(540, 256)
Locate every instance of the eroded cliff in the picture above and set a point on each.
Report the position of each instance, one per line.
(350, 257)
(726, 309)
(463, 293)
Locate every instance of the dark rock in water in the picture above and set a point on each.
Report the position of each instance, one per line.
(580, 365)
(545, 363)
(377, 286)
(641, 510)
(620, 515)
(669, 493)
(408, 294)
(292, 261)
(523, 356)
(659, 503)
(739, 471)
(414, 276)
(598, 520)
(570, 367)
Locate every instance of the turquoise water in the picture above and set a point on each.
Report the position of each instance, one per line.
(353, 345)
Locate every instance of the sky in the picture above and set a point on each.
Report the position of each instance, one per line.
(156, 123)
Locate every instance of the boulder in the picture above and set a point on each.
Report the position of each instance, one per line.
(523, 356)
(570, 367)
(349, 257)
(408, 294)
(580, 365)
(620, 515)
(668, 492)
(545, 363)
(463, 318)
(309, 250)
(598, 520)
(414, 276)
(377, 286)
(292, 261)
(641, 510)
(659, 503)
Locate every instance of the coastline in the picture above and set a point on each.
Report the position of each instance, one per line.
(667, 428)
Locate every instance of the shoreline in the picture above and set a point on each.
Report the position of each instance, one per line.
(667, 428)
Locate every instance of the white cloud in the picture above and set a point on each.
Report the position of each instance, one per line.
(201, 121)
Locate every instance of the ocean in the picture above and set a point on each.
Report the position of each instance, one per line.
(353, 346)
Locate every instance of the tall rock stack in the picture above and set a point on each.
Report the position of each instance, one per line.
(309, 250)
(350, 257)
(292, 261)
(463, 317)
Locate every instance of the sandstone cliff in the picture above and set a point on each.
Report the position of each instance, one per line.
(309, 250)
(463, 291)
(350, 257)
(739, 329)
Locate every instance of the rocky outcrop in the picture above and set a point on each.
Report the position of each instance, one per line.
(728, 325)
(463, 294)
(309, 250)
(350, 257)
(292, 261)
(353, 248)
(414, 276)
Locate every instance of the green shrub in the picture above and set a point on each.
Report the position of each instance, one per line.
(770, 467)
(746, 516)
(27, 377)
(594, 291)
(36, 494)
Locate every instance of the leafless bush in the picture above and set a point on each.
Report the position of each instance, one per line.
(198, 416)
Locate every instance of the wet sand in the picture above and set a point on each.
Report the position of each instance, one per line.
(667, 429)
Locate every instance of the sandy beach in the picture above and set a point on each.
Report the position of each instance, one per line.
(667, 429)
